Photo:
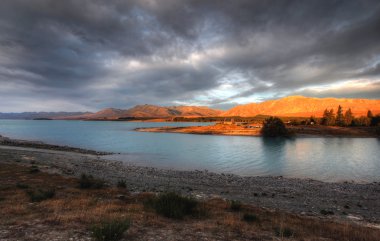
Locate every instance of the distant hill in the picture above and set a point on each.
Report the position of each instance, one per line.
(300, 106)
(39, 115)
(292, 106)
(152, 111)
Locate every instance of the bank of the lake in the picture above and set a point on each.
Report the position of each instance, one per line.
(345, 200)
(299, 130)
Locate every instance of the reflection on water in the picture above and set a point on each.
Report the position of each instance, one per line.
(327, 159)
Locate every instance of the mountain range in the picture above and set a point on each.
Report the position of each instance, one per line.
(295, 106)
(300, 106)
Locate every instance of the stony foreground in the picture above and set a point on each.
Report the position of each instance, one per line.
(351, 201)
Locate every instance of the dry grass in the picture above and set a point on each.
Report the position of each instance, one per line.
(74, 207)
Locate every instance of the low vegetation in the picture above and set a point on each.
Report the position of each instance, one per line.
(34, 169)
(121, 184)
(284, 232)
(235, 206)
(40, 194)
(88, 181)
(250, 218)
(172, 205)
(110, 230)
(100, 214)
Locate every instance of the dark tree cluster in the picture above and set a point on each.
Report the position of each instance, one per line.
(348, 119)
(274, 127)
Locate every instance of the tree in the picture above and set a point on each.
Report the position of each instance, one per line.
(331, 118)
(339, 121)
(348, 117)
(375, 121)
(325, 118)
(361, 121)
(273, 127)
(369, 114)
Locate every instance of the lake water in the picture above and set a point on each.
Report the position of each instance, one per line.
(327, 159)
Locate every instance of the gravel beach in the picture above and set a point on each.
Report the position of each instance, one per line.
(347, 200)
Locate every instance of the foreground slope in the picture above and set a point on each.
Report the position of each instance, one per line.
(304, 106)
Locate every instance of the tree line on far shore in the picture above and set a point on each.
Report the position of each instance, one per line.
(347, 118)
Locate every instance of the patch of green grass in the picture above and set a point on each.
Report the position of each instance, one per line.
(250, 218)
(284, 232)
(40, 195)
(121, 184)
(88, 181)
(172, 205)
(235, 206)
(110, 230)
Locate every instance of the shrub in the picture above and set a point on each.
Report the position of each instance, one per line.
(88, 181)
(40, 195)
(274, 127)
(284, 232)
(110, 230)
(235, 206)
(34, 169)
(326, 212)
(122, 184)
(250, 218)
(172, 205)
(22, 186)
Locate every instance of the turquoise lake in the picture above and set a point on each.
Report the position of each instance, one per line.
(326, 159)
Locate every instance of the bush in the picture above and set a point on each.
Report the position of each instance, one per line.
(273, 127)
(88, 181)
(122, 184)
(250, 218)
(22, 186)
(34, 169)
(235, 206)
(172, 205)
(40, 195)
(284, 232)
(326, 212)
(110, 230)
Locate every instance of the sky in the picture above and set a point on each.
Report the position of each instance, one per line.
(82, 55)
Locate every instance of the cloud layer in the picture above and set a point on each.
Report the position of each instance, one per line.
(86, 55)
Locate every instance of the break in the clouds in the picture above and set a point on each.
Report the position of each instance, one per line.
(86, 55)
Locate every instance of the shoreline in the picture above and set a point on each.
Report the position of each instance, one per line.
(6, 141)
(347, 200)
(299, 131)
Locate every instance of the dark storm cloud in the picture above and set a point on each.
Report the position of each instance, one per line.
(87, 55)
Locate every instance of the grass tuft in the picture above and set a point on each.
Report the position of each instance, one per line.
(110, 230)
(122, 184)
(22, 185)
(235, 206)
(172, 205)
(327, 212)
(250, 218)
(88, 181)
(284, 232)
(34, 169)
(40, 195)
